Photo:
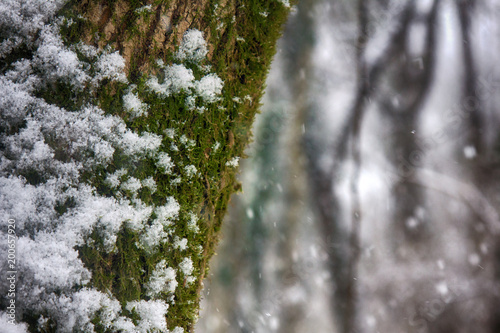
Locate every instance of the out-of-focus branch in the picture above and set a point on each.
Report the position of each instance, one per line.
(368, 81)
(413, 83)
(467, 193)
(354, 237)
(470, 100)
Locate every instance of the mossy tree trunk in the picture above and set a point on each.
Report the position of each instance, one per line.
(208, 139)
(241, 41)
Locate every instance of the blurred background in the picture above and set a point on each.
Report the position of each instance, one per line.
(371, 192)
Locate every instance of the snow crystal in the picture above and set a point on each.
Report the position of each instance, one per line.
(162, 280)
(176, 181)
(103, 151)
(154, 85)
(484, 248)
(285, 3)
(150, 183)
(250, 214)
(180, 244)
(58, 62)
(165, 163)
(114, 180)
(209, 88)
(189, 143)
(88, 51)
(192, 223)
(190, 102)
(144, 9)
(146, 144)
(191, 171)
(167, 212)
(132, 185)
(156, 234)
(124, 324)
(186, 266)
(134, 105)
(233, 162)
(371, 321)
(174, 147)
(153, 237)
(193, 46)
(170, 132)
(141, 213)
(178, 78)
(111, 66)
(412, 222)
(178, 330)
(152, 314)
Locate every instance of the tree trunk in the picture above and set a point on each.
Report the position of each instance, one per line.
(189, 97)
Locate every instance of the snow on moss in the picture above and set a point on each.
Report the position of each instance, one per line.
(192, 223)
(111, 66)
(180, 244)
(167, 212)
(209, 88)
(162, 280)
(165, 162)
(191, 171)
(178, 78)
(50, 151)
(46, 149)
(193, 46)
(186, 266)
(153, 236)
(132, 185)
(152, 315)
(134, 105)
(114, 180)
(150, 183)
(188, 143)
(56, 61)
(233, 162)
(21, 20)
